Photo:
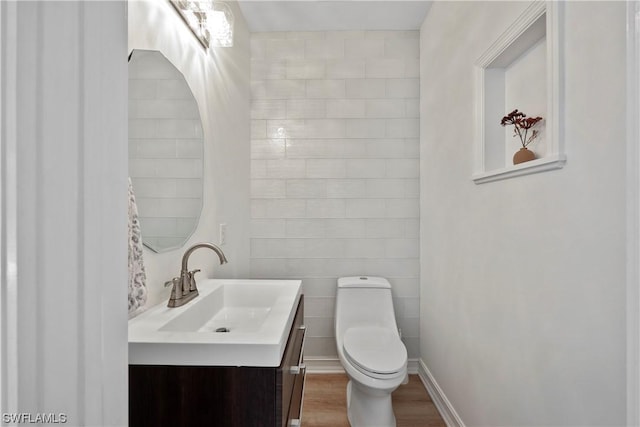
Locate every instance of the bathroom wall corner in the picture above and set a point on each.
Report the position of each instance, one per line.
(440, 400)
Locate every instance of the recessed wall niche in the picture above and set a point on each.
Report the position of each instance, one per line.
(521, 69)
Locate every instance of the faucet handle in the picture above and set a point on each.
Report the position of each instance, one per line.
(176, 290)
(171, 282)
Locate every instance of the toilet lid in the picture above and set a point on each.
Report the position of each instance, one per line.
(375, 349)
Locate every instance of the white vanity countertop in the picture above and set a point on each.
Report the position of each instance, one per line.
(258, 314)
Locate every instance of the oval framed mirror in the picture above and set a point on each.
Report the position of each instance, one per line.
(166, 147)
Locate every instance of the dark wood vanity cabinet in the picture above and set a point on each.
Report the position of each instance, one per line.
(198, 396)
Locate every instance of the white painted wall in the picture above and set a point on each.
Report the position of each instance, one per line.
(523, 280)
(63, 211)
(219, 80)
(633, 212)
(334, 171)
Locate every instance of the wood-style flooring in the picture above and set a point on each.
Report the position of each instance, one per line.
(325, 403)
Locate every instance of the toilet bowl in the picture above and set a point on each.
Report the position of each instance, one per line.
(369, 348)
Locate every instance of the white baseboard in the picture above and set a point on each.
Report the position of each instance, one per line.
(332, 365)
(444, 406)
(323, 365)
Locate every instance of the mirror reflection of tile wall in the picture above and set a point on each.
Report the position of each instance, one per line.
(165, 150)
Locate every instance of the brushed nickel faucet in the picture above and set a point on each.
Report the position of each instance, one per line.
(184, 287)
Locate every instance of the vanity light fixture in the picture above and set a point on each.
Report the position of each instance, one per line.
(210, 21)
(221, 25)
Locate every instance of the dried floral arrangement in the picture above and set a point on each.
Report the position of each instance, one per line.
(521, 126)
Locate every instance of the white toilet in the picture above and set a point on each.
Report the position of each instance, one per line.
(369, 349)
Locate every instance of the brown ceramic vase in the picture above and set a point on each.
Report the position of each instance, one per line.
(523, 155)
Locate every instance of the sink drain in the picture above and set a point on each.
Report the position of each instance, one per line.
(222, 329)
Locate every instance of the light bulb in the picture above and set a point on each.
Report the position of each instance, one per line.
(220, 25)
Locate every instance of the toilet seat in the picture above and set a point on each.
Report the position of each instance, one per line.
(375, 351)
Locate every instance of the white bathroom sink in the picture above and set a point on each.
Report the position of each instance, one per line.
(253, 316)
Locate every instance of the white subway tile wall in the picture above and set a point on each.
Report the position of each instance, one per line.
(334, 170)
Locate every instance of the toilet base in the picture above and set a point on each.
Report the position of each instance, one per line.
(369, 408)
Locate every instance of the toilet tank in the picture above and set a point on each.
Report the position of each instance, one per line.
(364, 301)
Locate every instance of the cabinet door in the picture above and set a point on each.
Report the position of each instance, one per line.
(297, 398)
(291, 372)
